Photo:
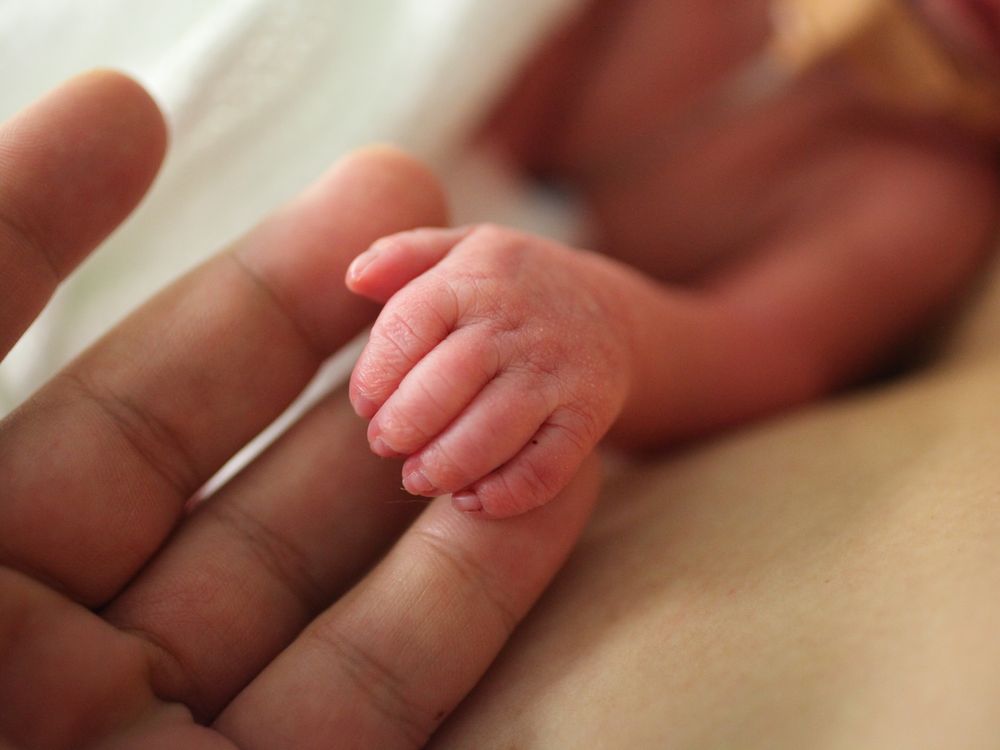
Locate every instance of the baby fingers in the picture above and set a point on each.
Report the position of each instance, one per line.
(537, 473)
(434, 392)
(415, 320)
(488, 433)
(394, 261)
(409, 327)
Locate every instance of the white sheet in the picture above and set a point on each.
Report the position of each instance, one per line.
(261, 95)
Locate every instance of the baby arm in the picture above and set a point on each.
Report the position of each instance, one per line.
(501, 359)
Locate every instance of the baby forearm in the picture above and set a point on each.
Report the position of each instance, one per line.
(683, 361)
(818, 309)
(700, 360)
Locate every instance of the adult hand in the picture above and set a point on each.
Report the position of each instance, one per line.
(126, 621)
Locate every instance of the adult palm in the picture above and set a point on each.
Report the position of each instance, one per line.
(257, 619)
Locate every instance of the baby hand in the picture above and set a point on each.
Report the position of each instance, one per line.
(497, 364)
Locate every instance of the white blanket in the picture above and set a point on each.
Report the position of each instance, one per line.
(261, 96)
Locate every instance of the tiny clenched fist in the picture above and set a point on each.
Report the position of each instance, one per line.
(495, 367)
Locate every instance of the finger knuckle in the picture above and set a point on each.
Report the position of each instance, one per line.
(21, 231)
(467, 568)
(578, 426)
(480, 358)
(445, 470)
(395, 346)
(539, 479)
(484, 276)
(516, 488)
(380, 687)
(151, 437)
(546, 359)
(403, 429)
(277, 554)
(373, 380)
(402, 334)
(425, 405)
(546, 386)
(499, 247)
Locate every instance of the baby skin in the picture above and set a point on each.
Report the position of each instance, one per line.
(501, 359)
(499, 362)
(830, 231)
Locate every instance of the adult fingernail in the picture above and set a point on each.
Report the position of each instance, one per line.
(467, 502)
(417, 484)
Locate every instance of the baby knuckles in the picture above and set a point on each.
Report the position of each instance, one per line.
(401, 337)
(443, 471)
(495, 251)
(401, 431)
(372, 382)
(435, 392)
(527, 483)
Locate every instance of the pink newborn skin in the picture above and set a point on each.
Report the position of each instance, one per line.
(501, 359)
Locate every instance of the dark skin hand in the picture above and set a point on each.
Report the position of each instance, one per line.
(258, 619)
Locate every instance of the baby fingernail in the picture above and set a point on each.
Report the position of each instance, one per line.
(417, 484)
(381, 448)
(360, 263)
(467, 502)
(363, 407)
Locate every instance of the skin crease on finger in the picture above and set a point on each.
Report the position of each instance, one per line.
(90, 180)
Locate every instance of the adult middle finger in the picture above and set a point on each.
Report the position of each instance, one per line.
(241, 578)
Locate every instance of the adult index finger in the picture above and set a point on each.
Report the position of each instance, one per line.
(72, 167)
